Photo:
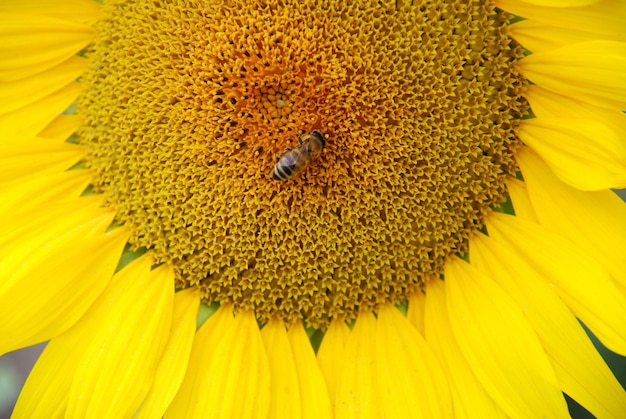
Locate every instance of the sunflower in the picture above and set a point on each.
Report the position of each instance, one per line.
(439, 258)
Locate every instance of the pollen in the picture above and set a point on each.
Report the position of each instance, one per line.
(188, 106)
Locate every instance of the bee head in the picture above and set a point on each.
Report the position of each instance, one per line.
(320, 137)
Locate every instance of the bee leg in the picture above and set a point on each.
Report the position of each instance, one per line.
(299, 139)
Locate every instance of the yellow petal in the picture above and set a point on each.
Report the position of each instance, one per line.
(38, 192)
(521, 201)
(470, 398)
(415, 313)
(173, 363)
(82, 11)
(118, 364)
(604, 18)
(578, 366)
(582, 152)
(547, 104)
(595, 221)
(189, 401)
(411, 381)
(46, 391)
(17, 94)
(285, 402)
(49, 283)
(593, 71)
(583, 284)
(313, 391)
(28, 121)
(36, 157)
(30, 44)
(39, 227)
(330, 356)
(228, 372)
(61, 127)
(539, 36)
(357, 395)
(561, 3)
(500, 345)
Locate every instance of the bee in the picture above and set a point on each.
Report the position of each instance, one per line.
(295, 160)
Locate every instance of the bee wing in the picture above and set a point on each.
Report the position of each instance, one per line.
(281, 153)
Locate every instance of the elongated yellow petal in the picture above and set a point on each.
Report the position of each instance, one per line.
(52, 274)
(61, 127)
(228, 372)
(578, 366)
(410, 379)
(46, 392)
(539, 36)
(38, 192)
(330, 356)
(173, 364)
(313, 391)
(561, 3)
(39, 227)
(470, 398)
(51, 298)
(17, 94)
(285, 401)
(593, 72)
(31, 44)
(500, 345)
(36, 157)
(83, 11)
(415, 313)
(595, 221)
(604, 18)
(28, 121)
(583, 284)
(357, 394)
(547, 104)
(118, 364)
(521, 201)
(189, 401)
(582, 152)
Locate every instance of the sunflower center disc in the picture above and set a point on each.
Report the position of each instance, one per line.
(188, 106)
